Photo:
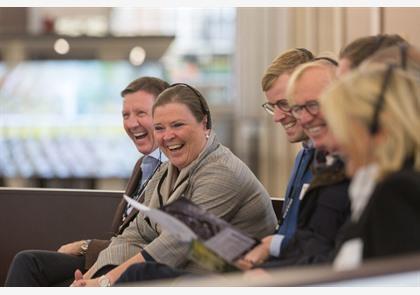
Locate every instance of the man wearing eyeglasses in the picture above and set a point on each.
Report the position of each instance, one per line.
(304, 91)
(274, 83)
(326, 205)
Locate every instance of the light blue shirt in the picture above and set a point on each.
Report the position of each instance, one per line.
(149, 165)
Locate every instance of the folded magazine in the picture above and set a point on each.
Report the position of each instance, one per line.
(214, 243)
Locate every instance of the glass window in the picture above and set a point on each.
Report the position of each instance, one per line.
(62, 119)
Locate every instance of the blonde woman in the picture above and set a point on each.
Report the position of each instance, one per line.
(374, 116)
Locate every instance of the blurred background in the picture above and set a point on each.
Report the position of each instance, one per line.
(62, 71)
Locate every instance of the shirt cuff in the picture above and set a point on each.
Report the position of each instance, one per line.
(147, 257)
(275, 245)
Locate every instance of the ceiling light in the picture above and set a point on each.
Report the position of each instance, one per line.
(61, 46)
(137, 55)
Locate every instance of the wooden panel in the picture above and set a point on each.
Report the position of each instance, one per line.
(403, 21)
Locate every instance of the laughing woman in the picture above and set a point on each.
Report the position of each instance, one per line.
(200, 169)
(374, 115)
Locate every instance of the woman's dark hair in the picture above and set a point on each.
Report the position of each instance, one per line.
(362, 48)
(190, 97)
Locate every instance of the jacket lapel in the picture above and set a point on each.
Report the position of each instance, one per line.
(117, 224)
(134, 179)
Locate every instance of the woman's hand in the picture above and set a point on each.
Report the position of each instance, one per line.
(71, 248)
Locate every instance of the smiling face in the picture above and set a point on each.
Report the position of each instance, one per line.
(308, 88)
(294, 130)
(178, 133)
(137, 120)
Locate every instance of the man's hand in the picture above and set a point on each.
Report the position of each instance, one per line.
(260, 253)
(86, 283)
(71, 248)
(79, 281)
(243, 264)
(256, 256)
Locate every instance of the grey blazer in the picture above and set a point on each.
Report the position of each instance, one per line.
(217, 181)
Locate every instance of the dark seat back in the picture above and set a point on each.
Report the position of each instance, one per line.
(48, 218)
(277, 206)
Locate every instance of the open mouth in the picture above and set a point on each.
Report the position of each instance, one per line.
(140, 135)
(175, 147)
(289, 125)
(314, 131)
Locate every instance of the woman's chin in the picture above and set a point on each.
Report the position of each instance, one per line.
(177, 163)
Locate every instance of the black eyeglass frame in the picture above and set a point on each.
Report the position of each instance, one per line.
(296, 109)
(281, 104)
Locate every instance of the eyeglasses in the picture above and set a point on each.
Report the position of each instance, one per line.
(311, 106)
(282, 104)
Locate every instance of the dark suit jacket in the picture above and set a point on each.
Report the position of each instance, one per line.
(323, 212)
(390, 222)
(118, 226)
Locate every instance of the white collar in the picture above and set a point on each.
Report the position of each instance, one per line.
(361, 188)
(158, 155)
(307, 144)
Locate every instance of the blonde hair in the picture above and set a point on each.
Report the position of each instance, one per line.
(354, 99)
(325, 65)
(286, 62)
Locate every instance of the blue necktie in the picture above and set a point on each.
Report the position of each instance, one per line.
(291, 209)
(148, 166)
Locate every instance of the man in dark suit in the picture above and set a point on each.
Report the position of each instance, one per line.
(49, 268)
